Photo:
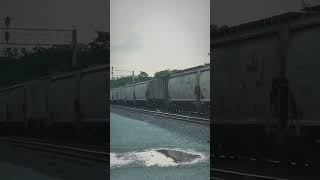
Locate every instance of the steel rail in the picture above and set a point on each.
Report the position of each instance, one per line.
(59, 149)
(243, 175)
(192, 119)
(61, 143)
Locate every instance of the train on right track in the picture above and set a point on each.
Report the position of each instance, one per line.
(266, 87)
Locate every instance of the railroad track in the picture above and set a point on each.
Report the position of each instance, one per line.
(80, 153)
(198, 120)
(242, 167)
(61, 143)
(222, 174)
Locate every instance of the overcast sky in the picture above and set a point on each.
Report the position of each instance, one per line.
(154, 35)
(86, 15)
(233, 12)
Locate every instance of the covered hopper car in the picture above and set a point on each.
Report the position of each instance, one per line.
(67, 105)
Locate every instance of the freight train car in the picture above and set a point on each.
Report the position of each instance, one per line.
(67, 105)
(121, 97)
(37, 115)
(92, 110)
(181, 90)
(129, 95)
(157, 93)
(15, 121)
(3, 110)
(185, 89)
(204, 84)
(111, 95)
(140, 92)
(114, 95)
(62, 97)
(265, 87)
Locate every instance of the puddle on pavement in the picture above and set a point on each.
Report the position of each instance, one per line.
(178, 156)
(162, 157)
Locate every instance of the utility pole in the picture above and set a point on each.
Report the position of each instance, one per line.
(74, 41)
(74, 47)
(132, 77)
(7, 23)
(112, 72)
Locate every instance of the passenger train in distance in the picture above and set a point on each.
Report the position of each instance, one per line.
(185, 91)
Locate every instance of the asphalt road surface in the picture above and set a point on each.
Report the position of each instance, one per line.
(146, 147)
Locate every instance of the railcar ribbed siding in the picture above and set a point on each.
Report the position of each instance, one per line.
(62, 97)
(36, 99)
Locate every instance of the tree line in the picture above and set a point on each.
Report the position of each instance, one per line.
(143, 76)
(21, 64)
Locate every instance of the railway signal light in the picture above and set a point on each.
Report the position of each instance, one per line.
(7, 21)
(7, 36)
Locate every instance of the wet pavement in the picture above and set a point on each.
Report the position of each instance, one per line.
(145, 147)
(19, 163)
(11, 171)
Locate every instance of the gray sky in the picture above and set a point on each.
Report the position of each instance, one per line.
(233, 12)
(86, 15)
(153, 35)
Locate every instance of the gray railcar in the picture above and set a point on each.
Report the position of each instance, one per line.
(3, 105)
(121, 96)
(62, 97)
(16, 104)
(243, 80)
(181, 86)
(204, 83)
(129, 93)
(265, 85)
(190, 89)
(157, 93)
(157, 89)
(36, 100)
(3, 111)
(115, 94)
(303, 73)
(93, 104)
(140, 90)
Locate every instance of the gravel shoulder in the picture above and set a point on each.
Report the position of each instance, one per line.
(199, 132)
(35, 164)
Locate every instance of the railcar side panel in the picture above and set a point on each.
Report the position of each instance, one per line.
(3, 105)
(16, 104)
(129, 93)
(62, 97)
(182, 87)
(140, 91)
(121, 96)
(115, 94)
(204, 83)
(93, 104)
(303, 74)
(243, 77)
(157, 89)
(36, 99)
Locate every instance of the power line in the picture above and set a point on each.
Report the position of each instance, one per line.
(33, 40)
(38, 29)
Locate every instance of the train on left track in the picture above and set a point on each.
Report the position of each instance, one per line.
(185, 91)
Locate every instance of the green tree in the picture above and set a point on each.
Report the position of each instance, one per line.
(164, 73)
(122, 81)
(19, 66)
(143, 76)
